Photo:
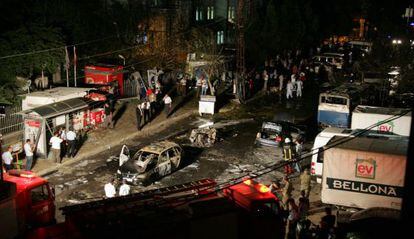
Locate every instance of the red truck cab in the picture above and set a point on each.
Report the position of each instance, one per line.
(26, 202)
(253, 196)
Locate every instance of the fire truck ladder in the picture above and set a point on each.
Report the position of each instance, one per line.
(136, 200)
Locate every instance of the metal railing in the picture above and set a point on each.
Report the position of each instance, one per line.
(11, 122)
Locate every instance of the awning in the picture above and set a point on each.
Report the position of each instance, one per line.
(59, 108)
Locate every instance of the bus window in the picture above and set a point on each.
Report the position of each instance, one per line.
(334, 100)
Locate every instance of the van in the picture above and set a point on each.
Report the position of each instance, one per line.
(317, 150)
(327, 134)
(335, 59)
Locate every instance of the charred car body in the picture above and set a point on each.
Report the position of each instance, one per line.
(274, 133)
(149, 163)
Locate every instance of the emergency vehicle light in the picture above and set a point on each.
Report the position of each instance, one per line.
(248, 182)
(263, 188)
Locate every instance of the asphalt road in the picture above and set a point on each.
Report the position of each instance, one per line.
(232, 156)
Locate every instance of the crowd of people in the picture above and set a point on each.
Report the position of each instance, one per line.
(287, 73)
(150, 105)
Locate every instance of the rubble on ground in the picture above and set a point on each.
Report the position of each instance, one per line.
(203, 137)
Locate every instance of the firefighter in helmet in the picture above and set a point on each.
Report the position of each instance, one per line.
(288, 155)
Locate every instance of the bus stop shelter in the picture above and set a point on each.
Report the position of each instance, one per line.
(41, 122)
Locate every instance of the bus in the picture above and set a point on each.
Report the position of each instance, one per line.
(336, 105)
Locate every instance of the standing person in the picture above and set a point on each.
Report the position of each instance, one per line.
(289, 90)
(55, 143)
(327, 223)
(139, 112)
(71, 142)
(286, 191)
(288, 155)
(251, 87)
(62, 135)
(7, 158)
(147, 111)
(167, 104)
(266, 80)
(108, 117)
(276, 189)
(204, 86)
(281, 79)
(109, 188)
(299, 87)
(153, 104)
(304, 205)
(28, 150)
(305, 182)
(198, 85)
(183, 83)
(124, 189)
(293, 218)
(293, 81)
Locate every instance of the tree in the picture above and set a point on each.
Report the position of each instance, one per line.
(280, 25)
(32, 38)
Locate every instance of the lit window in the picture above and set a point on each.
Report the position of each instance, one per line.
(199, 14)
(210, 13)
(231, 14)
(220, 37)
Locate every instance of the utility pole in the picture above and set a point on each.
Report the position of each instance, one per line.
(240, 63)
(240, 51)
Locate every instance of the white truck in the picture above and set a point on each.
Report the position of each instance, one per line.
(364, 116)
(365, 173)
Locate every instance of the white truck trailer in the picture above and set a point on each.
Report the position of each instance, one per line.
(365, 173)
(364, 116)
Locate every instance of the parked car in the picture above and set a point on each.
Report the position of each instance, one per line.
(274, 133)
(149, 163)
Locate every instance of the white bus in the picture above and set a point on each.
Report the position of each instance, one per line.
(335, 106)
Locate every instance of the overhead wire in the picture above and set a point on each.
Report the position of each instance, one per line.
(219, 187)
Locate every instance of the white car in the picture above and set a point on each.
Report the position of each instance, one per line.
(149, 163)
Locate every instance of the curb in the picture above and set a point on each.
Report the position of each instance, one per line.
(154, 127)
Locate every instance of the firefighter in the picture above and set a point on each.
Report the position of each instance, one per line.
(288, 155)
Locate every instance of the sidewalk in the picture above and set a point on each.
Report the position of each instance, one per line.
(125, 129)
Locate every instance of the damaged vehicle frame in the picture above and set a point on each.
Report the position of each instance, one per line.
(273, 134)
(150, 162)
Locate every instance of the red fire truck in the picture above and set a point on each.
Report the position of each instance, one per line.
(26, 202)
(103, 76)
(198, 209)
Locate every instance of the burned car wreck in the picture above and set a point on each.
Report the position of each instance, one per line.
(149, 163)
(274, 133)
(203, 137)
